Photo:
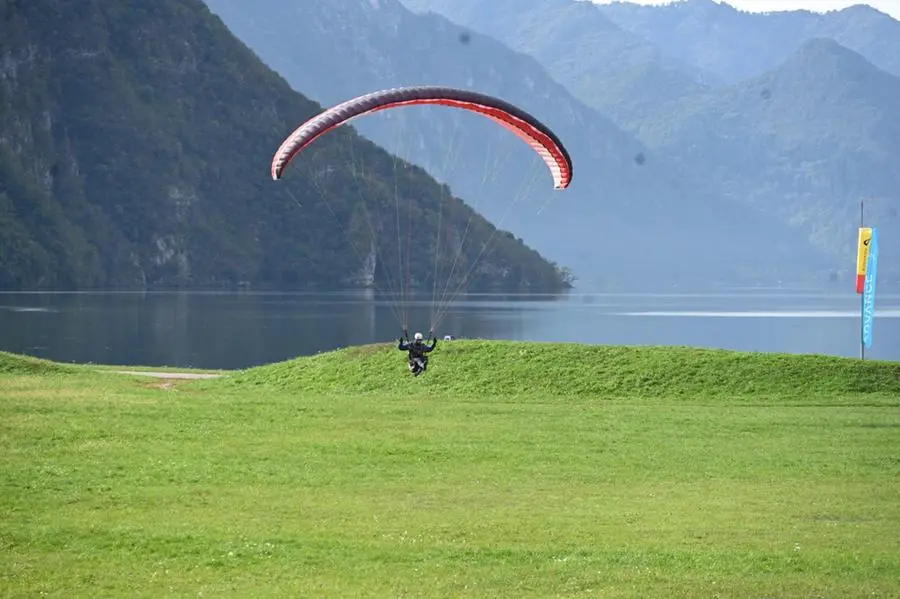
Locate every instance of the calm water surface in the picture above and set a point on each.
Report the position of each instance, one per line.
(236, 330)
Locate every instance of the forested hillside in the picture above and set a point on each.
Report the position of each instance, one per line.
(135, 141)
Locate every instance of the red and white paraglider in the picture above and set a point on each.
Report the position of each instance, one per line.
(536, 134)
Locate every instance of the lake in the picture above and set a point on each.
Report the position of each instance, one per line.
(237, 330)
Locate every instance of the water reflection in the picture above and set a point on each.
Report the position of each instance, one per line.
(234, 330)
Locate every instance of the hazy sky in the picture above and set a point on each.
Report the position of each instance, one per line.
(891, 7)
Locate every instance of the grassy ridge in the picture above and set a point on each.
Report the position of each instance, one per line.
(11, 363)
(271, 482)
(19, 364)
(503, 368)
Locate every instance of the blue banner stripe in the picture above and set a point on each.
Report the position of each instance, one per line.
(868, 320)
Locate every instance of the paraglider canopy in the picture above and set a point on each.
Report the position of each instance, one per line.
(536, 134)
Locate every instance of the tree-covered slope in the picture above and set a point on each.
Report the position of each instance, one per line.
(806, 141)
(135, 140)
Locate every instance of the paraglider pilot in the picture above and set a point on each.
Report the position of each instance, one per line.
(418, 358)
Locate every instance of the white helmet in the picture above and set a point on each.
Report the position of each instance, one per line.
(417, 336)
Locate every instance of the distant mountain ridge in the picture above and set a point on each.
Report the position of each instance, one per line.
(733, 142)
(805, 141)
(622, 191)
(735, 45)
(606, 67)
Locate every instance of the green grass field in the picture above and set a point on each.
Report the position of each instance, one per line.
(508, 470)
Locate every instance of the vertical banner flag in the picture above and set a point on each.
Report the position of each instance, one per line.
(862, 257)
(868, 319)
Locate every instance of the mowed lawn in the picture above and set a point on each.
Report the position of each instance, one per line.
(288, 482)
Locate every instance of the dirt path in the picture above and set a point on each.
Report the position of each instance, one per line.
(171, 375)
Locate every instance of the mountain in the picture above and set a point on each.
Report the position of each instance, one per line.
(736, 45)
(700, 125)
(135, 140)
(613, 70)
(628, 219)
(805, 141)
